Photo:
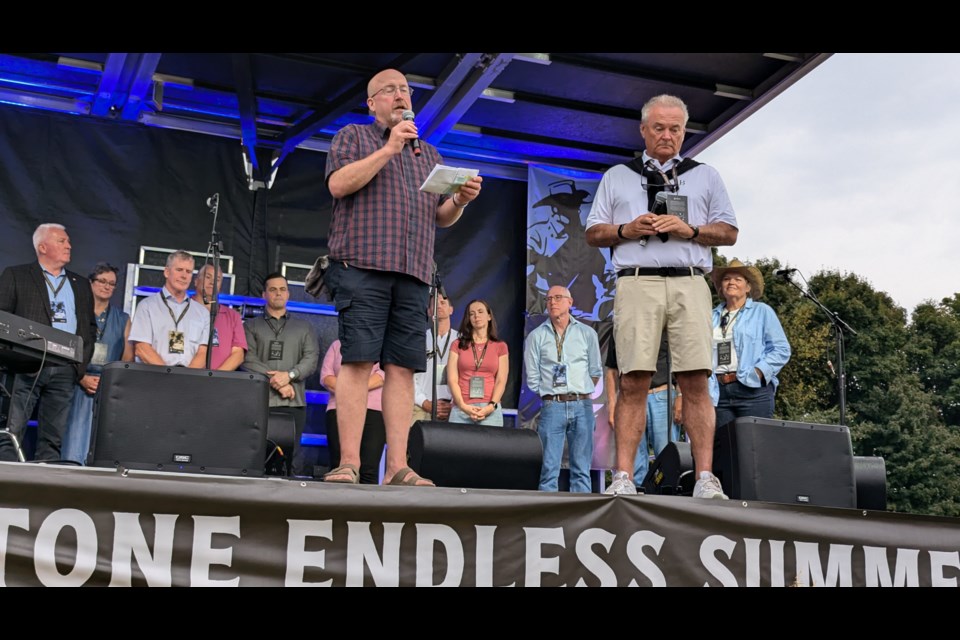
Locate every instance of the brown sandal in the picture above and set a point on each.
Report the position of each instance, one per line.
(407, 477)
(343, 470)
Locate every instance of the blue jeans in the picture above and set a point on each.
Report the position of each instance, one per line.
(573, 421)
(738, 400)
(656, 432)
(76, 442)
(495, 419)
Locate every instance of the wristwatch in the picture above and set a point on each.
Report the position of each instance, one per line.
(496, 405)
(292, 373)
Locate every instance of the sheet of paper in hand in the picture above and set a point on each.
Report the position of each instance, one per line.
(447, 180)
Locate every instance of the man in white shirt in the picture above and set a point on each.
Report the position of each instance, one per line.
(423, 382)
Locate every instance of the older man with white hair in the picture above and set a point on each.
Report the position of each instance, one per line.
(661, 213)
(562, 362)
(45, 292)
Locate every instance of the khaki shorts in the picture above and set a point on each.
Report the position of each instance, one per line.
(645, 305)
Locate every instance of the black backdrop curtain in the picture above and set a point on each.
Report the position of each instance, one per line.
(118, 185)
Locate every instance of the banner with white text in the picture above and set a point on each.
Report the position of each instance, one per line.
(62, 526)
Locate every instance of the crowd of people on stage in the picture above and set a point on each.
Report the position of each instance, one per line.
(673, 361)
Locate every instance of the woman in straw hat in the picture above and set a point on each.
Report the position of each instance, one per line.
(750, 347)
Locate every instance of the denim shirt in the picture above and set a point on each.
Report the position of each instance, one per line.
(760, 342)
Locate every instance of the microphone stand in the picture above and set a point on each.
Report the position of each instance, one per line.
(839, 326)
(435, 286)
(215, 247)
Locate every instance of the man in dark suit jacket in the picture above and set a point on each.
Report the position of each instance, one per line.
(45, 292)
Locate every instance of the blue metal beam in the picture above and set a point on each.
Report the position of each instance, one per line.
(345, 102)
(106, 96)
(38, 101)
(247, 101)
(452, 77)
(491, 66)
(140, 84)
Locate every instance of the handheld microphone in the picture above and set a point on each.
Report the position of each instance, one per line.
(785, 273)
(408, 115)
(659, 208)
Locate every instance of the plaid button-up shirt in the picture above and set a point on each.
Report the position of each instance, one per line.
(388, 225)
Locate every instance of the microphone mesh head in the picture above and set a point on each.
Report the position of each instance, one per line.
(408, 115)
(661, 197)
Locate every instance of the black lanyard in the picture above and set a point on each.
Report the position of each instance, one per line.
(446, 345)
(277, 332)
(102, 323)
(63, 280)
(477, 362)
(727, 319)
(176, 320)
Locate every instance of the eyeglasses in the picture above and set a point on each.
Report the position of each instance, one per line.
(391, 89)
(106, 283)
(556, 298)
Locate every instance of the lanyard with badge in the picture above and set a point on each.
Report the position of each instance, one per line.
(441, 367)
(676, 204)
(476, 381)
(58, 311)
(724, 344)
(560, 369)
(176, 342)
(276, 345)
(100, 347)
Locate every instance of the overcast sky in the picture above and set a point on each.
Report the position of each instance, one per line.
(856, 167)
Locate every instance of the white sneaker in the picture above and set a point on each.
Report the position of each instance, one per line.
(622, 485)
(708, 486)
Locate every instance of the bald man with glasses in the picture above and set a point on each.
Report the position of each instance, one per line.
(381, 259)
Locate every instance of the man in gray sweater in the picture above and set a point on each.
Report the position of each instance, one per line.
(284, 349)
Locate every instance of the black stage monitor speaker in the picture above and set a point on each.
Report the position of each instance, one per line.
(476, 456)
(177, 419)
(671, 474)
(791, 462)
(871, 475)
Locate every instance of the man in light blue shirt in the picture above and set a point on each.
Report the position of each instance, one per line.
(562, 362)
(168, 327)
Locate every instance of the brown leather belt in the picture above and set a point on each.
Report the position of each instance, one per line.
(662, 387)
(567, 397)
(727, 378)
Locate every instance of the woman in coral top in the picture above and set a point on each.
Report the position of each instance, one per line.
(480, 364)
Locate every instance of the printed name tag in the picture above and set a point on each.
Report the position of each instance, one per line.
(176, 342)
(441, 374)
(58, 311)
(677, 206)
(476, 387)
(724, 349)
(99, 353)
(276, 349)
(559, 375)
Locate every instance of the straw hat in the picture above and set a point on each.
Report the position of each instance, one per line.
(750, 274)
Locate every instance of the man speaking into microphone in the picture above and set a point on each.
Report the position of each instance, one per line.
(381, 254)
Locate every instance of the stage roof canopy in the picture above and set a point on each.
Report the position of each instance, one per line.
(498, 111)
